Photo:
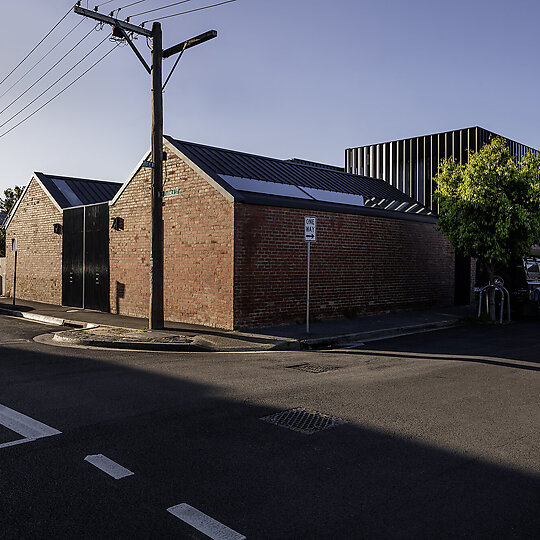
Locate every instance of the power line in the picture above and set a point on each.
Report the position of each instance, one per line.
(129, 5)
(102, 4)
(61, 91)
(55, 82)
(184, 12)
(159, 8)
(41, 59)
(43, 39)
(46, 73)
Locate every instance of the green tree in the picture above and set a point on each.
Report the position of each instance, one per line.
(6, 204)
(489, 208)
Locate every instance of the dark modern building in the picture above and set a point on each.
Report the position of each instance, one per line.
(411, 164)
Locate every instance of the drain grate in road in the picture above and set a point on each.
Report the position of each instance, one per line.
(313, 368)
(304, 421)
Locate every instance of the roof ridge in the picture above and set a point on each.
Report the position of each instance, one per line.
(285, 161)
(77, 179)
(228, 150)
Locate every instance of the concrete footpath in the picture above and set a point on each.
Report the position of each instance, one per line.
(90, 328)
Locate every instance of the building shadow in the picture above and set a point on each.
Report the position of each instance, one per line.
(190, 441)
(468, 344)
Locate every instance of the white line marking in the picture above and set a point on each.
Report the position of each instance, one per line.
(14, 443)
(207, 525)
(108, 466)
(24, 425)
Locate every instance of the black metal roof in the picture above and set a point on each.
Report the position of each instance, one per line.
(492, 133)
(316, 164)
(69, 192)
(240, 164)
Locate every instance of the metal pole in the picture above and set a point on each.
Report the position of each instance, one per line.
(156, 318)
(83, 258)
(14, 277)
(307, 304)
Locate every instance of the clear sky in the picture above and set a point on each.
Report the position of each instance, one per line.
(285, 78)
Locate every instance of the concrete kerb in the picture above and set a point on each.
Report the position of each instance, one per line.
(200, 343)
(173, 343)
(67, 337)
(212, 343)
(46, 319)
(374, 335)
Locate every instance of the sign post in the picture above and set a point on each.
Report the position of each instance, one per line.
(310, 235)
(14, 249)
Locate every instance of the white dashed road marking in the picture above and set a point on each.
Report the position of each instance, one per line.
(108, 466)
(203, 523)
(25, 426)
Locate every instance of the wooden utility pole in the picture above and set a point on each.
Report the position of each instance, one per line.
(122, 29)
(155, 319)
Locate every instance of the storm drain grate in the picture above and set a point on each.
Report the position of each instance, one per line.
(304, 421)
(313, 368)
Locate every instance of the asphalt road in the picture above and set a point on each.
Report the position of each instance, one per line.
(441, 439)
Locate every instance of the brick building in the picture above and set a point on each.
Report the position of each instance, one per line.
(234, 250)
(36, 222)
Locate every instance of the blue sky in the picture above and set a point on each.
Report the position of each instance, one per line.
(285, 78)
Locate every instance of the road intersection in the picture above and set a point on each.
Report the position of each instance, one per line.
(440, 439)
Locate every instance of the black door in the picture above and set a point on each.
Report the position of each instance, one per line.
(96, 241)
(85, 257)
(72, 257)
(462, 290)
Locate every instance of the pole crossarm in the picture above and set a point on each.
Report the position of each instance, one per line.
(197, 40)
(135, 50)
(128, 27)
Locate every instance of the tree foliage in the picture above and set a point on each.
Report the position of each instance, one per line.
(490, 207)
(11, 196)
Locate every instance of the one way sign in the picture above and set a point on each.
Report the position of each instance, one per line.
(310, 229)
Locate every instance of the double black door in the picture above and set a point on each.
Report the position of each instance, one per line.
(85, 257)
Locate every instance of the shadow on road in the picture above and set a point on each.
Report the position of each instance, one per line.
(189, 442)
(468, 345)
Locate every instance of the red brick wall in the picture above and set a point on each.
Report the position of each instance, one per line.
(359, 264)
(39, 258)
(198, 249)
(129, 249)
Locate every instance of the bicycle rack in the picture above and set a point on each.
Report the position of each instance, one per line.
(504, 295)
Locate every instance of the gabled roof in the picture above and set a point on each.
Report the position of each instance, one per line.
(257, 177)
(241, 165)
(68, 191)
(294, 183)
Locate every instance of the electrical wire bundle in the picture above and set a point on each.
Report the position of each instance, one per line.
(7, 85)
